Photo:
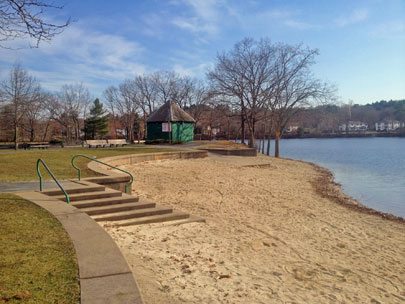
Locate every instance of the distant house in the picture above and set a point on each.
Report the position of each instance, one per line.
(171, 124)
(388, 125)
(292, 129)
(208, 130)
(353, 126)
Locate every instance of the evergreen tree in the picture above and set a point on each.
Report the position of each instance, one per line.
(96, 126)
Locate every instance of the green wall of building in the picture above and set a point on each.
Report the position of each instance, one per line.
(181, 132)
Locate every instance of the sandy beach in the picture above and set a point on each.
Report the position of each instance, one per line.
(270, 237)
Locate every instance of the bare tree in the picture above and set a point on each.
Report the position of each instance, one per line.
(294, 86)
(146, 98)
(164, 82)
(243, 74)
(135, 99)
(76, 98)
(170, 86)
(227, 81)
(21, 19)
(124, 102)
(34, 114)
(69, 108)
(19, 91)
(128, 105)
(5, 122)
(146, 85)
(110, 96)
(200, 96)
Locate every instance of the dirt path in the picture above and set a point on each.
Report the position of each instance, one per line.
(269, 238)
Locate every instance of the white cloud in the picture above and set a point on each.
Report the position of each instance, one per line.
(204, 18)
(277, 14)
(284, 17)
(197, 70)
(357, 16)
(194, 25)
(390, 28)
(92, 47)
(183, 71)
(299, 25)
(81, 54)
(205, 9)
(154, 25)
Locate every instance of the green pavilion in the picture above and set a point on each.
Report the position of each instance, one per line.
(170, 124)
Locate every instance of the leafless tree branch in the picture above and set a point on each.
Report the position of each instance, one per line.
(21, 19)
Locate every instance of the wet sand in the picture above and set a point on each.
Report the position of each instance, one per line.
(272, 236)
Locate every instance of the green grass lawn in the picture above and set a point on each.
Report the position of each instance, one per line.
(20, 165)
(37, 258)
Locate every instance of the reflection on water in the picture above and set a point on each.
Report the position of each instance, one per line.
(372, 170)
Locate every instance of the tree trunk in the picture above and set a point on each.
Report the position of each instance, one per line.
(268, 144)
(228, 135)
(252, 133)
(32, 134)
(46, 131)
(115, 126)
(131, 131)
(242, 129)
(252, 139)
(77, 131)
(277, 144)
(264, 138)
(15, 136)
(144, 126)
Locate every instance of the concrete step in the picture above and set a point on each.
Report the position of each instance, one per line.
(106, 201)
(80, 189)
(90, 195)
(176, 215)
(117, 208)
(117, 216)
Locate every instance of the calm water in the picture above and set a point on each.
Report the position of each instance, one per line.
(372, 170)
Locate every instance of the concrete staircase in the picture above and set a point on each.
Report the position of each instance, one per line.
(108, 205)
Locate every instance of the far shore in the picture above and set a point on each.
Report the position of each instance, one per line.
(277, 231)
(335, 135)
(346, 135)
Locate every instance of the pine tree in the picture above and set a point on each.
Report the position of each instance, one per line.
(96, 126)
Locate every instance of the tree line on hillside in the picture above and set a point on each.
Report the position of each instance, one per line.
(255, 83)
(326, 119)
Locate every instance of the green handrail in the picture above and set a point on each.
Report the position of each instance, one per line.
(127, 186)
(40, 161)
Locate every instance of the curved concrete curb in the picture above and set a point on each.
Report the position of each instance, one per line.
(104, 274)
(137, 158)
(232, 152)
(117, 181)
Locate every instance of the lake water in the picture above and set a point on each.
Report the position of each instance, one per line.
(372, 170)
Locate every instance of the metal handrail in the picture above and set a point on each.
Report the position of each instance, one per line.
(127, 186)
(40, 161)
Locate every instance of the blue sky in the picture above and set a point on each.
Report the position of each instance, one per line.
(361, 43)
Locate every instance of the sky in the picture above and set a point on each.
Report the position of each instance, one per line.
(361, 42)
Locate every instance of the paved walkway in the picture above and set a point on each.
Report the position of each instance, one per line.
(34, 185)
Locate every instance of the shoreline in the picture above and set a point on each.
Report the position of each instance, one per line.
(327, 187)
